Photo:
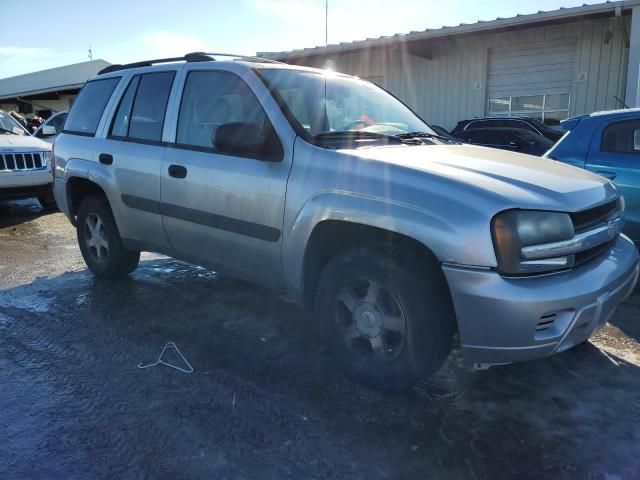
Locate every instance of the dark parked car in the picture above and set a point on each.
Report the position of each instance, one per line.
(526, 123)
(50, 129)
(513, 139)
(443, 132)
(607, 143)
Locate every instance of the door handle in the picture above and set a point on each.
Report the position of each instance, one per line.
(177, 171)
(105, 159)
(607, 174)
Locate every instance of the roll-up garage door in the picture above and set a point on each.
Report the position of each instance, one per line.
(531, 78)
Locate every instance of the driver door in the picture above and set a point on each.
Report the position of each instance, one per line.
(222, 208)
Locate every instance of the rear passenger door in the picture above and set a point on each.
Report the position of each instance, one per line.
(615, 154)
(226, 209)
(133, 151)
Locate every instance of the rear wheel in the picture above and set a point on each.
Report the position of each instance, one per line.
(389, 323)
(100, 241)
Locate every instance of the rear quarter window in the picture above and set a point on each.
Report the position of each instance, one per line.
(621, 137)
(85, 114)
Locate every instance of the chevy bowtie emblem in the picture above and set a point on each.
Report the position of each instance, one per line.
(614, 229)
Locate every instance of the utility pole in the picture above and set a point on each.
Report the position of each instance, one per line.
(90, 55)
(326, 22)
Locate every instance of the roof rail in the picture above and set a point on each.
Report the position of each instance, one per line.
(189, 57)
(243, 58)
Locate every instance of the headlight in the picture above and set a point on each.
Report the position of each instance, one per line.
(514, 229)
(47, 158)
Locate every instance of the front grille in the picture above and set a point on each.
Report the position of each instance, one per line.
(22, 161)
(590, 254)
(594, 217)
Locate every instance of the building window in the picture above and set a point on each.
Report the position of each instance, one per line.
(550, 109)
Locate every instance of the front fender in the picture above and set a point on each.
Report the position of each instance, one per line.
(440, 234)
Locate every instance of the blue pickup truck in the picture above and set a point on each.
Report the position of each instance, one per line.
(607, 143)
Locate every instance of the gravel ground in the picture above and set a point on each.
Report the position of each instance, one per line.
(265, 400)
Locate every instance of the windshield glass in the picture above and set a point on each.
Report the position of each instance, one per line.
(328, 103)
(542, 127)
(8, 124)
(535, 138)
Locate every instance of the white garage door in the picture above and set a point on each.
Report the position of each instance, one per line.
(532, 79)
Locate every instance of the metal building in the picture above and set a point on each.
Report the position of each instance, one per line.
(549, 65)
(47, 91)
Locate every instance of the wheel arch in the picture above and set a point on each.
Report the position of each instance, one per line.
(332, 237)
(77, 189)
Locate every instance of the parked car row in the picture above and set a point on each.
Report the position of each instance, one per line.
(25, 164)
(329, 189)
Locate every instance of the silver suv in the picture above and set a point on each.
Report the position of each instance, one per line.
(326, 187)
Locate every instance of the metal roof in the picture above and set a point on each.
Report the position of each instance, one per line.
(560, 15)
(69, 77)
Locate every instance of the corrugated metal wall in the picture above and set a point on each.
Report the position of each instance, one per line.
(452, 84)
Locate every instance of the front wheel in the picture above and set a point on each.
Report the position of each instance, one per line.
(389, 323)
(100, 241)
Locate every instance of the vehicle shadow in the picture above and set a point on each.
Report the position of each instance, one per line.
(267, 393)
(14, 213)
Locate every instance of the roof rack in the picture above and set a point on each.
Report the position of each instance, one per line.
(189, 57)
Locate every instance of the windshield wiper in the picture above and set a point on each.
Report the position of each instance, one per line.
(358, 134)
(423, 135)
(8, 131)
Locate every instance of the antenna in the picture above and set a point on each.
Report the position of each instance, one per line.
(90, 53)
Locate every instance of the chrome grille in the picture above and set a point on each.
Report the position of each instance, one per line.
(594, 217)
(596, 230)
(18, 162)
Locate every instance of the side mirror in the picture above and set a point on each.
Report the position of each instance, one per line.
(246, 139)
(48, 130)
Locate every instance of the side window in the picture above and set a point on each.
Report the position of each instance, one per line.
(120, 124)
(621, 137)
(150, 105)
(477, 137)
(58, 122)
(212, 99)
(524, 126)
(87, 110)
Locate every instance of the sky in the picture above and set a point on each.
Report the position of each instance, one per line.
(121, 31)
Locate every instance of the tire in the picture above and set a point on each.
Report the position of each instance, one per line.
(100, 241)
(388, 323)
(48, 202)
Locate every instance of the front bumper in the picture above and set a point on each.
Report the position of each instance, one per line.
(30, 191)
(504, 320)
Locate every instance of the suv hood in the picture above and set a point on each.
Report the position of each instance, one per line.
(9, 142)
(516, 180)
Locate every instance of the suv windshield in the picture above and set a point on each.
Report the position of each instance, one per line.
(541, 126)
(9, 125)
(534, 138)
(332, 103)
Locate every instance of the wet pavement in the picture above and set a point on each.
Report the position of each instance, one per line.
(265, 400)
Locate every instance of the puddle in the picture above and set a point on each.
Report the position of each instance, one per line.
(27, 301)
(4, 319)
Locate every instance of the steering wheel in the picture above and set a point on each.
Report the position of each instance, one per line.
(353, 125)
